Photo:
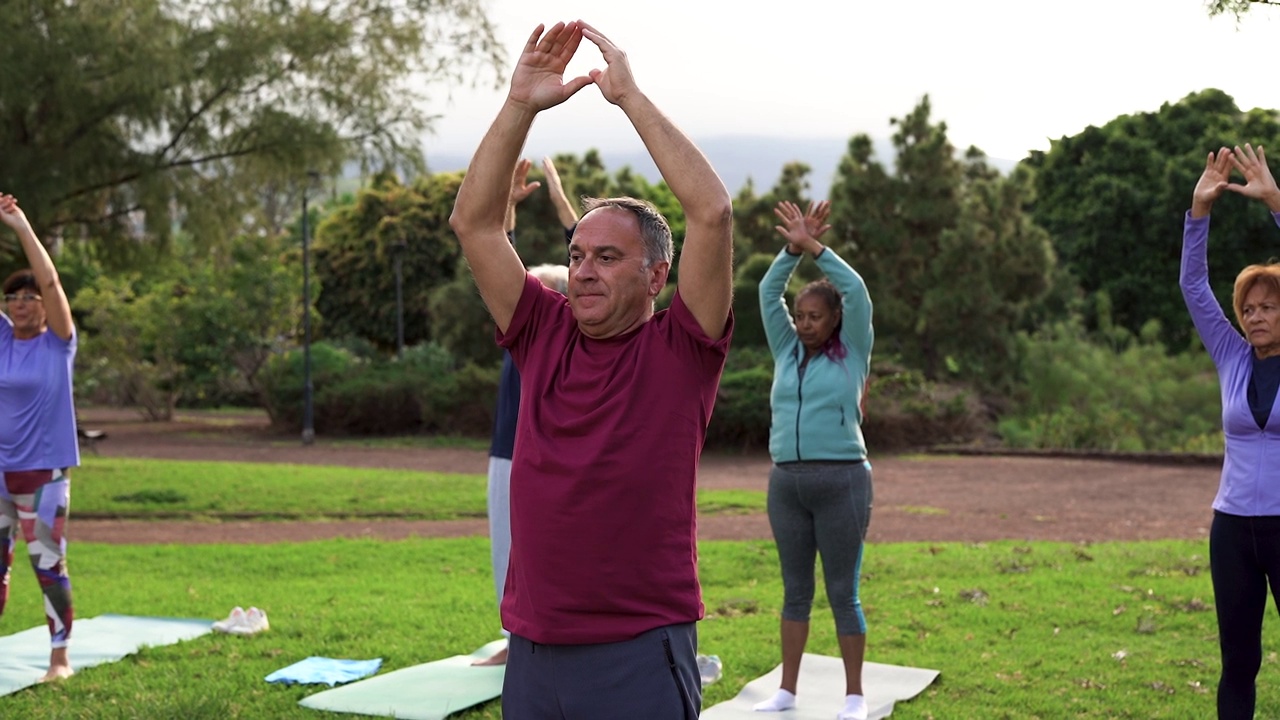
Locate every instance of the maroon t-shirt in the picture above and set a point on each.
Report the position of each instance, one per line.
(603, 521)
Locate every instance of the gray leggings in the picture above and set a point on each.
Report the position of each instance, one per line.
(821, 507)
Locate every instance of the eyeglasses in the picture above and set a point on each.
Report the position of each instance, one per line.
(24, 297)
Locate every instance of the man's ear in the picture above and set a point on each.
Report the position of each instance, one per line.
(658, 277)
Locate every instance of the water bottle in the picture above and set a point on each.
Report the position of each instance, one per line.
(709, 668)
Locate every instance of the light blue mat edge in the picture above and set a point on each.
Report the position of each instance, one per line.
(24, 656)
(430, 691)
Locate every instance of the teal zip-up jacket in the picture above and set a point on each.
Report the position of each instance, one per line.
(817, 415)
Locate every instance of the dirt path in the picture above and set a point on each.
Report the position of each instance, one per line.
(917, 498)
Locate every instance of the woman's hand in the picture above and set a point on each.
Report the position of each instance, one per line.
(11, 214)
(802, 230)
(1213, 181)
(1259, 183)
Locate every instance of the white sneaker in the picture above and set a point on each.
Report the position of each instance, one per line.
(253, 622)
(235, 618)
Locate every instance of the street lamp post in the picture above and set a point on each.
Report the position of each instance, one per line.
(397, 252)
(308, 421)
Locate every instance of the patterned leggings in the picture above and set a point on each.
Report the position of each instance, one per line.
(37, 502)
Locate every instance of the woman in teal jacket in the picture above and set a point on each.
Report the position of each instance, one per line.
(820, 484)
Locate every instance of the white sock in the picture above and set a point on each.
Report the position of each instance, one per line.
(781, 700)
(855, 708)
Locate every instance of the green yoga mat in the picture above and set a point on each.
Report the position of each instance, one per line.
(24, 656)
(422, 692)
(820, 691)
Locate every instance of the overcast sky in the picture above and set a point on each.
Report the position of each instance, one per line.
(1005, 75)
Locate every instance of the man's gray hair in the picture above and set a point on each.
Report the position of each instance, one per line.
(655, 233)
(555, 277)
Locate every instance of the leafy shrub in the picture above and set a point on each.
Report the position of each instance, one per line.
(422, 393)
(903, 410)
(1123, 395)
(469, 410)
(378, 399)
(742, 413)
(284, 377)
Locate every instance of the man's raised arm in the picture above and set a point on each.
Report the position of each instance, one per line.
(706, 258)
(478, 212)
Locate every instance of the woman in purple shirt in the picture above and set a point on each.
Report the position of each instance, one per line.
(38, 442)
(1244, 540)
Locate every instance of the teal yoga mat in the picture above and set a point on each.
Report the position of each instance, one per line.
(24, 656)
(422, 692)
(820, 691)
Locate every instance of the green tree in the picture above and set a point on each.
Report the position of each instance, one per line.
(461, 322)
(1114, 198)
(952, 262)
(199, 332)
(126, 355)
(355, 253)
(231, 313)
(1235, 7)
(123, 119)
(748, 324)
(539, 234)
(891, 226)
(753, 218)
(989, 272)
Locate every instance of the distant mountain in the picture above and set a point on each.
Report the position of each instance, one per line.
(736, 158)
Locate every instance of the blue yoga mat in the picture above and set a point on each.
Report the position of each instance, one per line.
(324, 671)
(24, 656)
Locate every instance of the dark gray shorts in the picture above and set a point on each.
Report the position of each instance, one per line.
(650, 677)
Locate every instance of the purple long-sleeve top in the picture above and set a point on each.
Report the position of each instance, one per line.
(1250, 482)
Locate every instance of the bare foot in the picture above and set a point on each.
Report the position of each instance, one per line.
(498, 658)
(57, 672)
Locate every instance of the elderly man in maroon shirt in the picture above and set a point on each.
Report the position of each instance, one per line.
(602, 591)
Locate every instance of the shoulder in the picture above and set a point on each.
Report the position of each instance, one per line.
(679, 318)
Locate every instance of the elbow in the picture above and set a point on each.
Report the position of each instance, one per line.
(464, 222)
(716, 216)
(470, 219)
(458, 220)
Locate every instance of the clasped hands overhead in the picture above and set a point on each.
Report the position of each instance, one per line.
(538, 81)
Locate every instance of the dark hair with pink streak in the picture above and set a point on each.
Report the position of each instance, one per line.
(832, 348)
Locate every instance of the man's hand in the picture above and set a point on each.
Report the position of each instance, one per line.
(521, 188)
(615, 82)
(538, 81)
(1213, 181)
(1259, 183)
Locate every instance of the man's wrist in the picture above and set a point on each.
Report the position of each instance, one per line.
(632, 101)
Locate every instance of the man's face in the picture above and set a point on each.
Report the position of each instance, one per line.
(610, 289)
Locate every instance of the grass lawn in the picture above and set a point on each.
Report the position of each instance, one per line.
(1018, 630)
(171, 489)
